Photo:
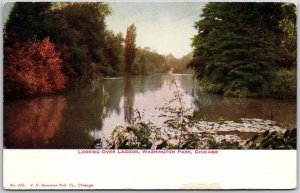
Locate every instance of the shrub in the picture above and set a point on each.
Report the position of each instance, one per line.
(283, 85)
(32, 68)
(107, 70)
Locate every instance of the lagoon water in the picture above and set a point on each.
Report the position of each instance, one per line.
(78, 117)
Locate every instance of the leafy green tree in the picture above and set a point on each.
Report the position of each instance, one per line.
(85, 34)
(130, 48)
(27, 20)
(114, 52)
(148, 61)
(287, 51)
(236, 46)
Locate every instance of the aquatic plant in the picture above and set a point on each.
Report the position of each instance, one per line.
(178, 118)
(181, 130)
(138, 135)
(273, 140)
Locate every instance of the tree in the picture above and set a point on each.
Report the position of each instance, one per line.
(181, 65)
(287, 51)
(148, 61)
(114, 52)
(130, 48)
(32, 68)
(83, 33)
(27, 20)
(236, 46)
(76, 29)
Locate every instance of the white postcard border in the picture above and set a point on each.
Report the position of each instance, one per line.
(83, 169)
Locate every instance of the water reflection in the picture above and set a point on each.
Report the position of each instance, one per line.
(212, 107)
(76, 118)
(33, 124)
(128, 100)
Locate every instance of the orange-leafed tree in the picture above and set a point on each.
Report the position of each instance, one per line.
(32, 68)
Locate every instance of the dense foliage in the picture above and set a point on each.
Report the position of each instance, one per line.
(85, 48)
(240, 46)
(114, 51)
(241, 49)
(149, 61)
(274, 140)
(283, 85)
(27, 20)
(182, 65)
(32, 68)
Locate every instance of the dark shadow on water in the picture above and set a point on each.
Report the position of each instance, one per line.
(76, 118)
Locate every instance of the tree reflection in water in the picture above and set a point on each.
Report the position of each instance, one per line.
(35, 123)
(78, 117)
(212, 107)
(128, 100)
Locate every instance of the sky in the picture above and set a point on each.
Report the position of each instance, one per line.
(6, 10)
(163, 26)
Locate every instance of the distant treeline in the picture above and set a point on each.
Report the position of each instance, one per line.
(247, 49)
(52, 46)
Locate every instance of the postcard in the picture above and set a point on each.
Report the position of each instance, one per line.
(149, 95)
